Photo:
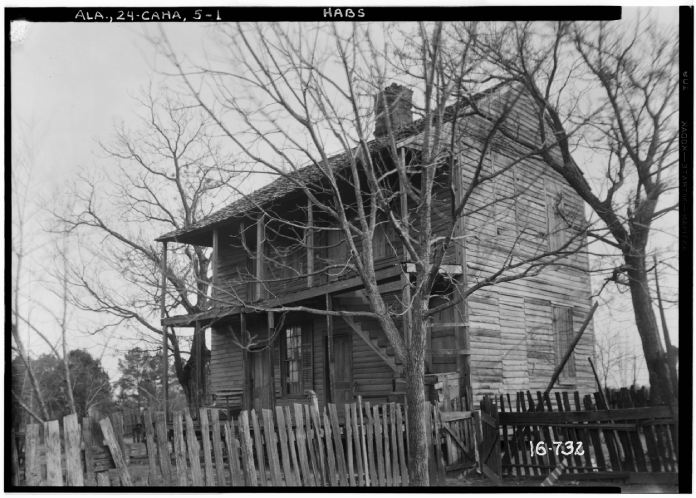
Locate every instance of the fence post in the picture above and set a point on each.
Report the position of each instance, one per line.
(32, 469)
(54, 472)
(73, 462)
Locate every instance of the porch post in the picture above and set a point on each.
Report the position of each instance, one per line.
(330, 347)
(260, 238)
(165, 345)
(269, 351)
(197, 347)
(461, 310)
(405, 276)
(216, 264)
(309, 243)
(246, 363)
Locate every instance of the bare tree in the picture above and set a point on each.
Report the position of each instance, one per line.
(22, 212)
(164, 174)
(606, 108)
(286, 96)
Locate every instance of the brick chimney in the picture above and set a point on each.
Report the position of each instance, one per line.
(399, 102)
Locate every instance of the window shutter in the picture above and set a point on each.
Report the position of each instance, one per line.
(563, 333)
(307, 358)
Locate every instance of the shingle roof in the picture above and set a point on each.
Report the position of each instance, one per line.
(288, 183)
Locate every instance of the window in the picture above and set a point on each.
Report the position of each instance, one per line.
(293, 360)
(563, 336)
(557, 216)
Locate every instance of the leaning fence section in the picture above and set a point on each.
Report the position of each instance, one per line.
(539, 430)
(360, 444)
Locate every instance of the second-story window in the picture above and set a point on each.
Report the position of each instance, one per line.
(558, 215)
(293, 360)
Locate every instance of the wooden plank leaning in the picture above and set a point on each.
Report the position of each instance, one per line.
(163, 448)
(205, 443)
(194, 453)
(180, 450)
(271, 447)
(112, 443)
(301, 438)
(151, 447)
(338, 446)
(233, 454)
(285, 455)
(217, 447)
(247, 450)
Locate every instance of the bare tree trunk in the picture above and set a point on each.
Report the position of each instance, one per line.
(416, 402)
(655, 357)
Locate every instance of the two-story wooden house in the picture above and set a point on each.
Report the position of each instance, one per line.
(515, 331)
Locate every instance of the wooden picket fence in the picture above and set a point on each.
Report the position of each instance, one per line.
(296, 445)
(632, 438)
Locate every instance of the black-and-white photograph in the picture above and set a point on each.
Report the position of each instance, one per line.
(351, 248)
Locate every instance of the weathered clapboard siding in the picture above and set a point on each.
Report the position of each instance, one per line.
(233, 270)
(513, 341)
(225, 361)
(485, 338)
(513, 208)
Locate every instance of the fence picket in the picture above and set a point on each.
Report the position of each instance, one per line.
(258, 442)
(89, 444)
(379, 453)
(32, 467)
(330, 456)
(73, 462)
(205, 444)
(301, 437)
(396, 478)
(285, 454)
(54, 472)
(180, 450)
(115, 449)
(271, 447)
(117, 424)
(151, 447)
(386, 447)
(217, 447)
(232, 444)
(318, 445)
(165, 462)
(194, 453)
(349, 444)
(374, 475)
(357, 444)
(338, 446)
(247, 451)
(291, 446)
(401, 434)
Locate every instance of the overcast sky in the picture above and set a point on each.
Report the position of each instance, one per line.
(71, 83)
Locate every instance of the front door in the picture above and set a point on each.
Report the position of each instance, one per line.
(343, 370)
